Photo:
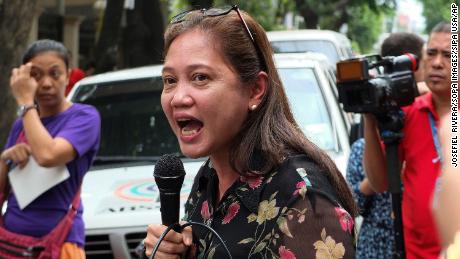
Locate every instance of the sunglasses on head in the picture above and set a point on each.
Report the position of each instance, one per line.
(213, 12)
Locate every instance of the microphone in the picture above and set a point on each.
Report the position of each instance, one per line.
(169, 175)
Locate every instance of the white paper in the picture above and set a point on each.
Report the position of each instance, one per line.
(31, 181)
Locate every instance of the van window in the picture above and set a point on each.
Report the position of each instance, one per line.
(134, 126)
(308, 105)
(294, 46)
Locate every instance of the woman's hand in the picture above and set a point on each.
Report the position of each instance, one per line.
(174, 245)
(23, 85)
(18, 154)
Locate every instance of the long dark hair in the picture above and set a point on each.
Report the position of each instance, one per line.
(270, 130)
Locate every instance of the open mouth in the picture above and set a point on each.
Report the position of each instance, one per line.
(189, 127)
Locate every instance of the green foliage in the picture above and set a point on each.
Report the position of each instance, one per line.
(355, 47)
(177, 6)
(334, 13)
(268, 13)
(363, 17)
(364, 29)
(436, 11)
(264, 11)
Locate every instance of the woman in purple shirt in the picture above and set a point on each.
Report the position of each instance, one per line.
(54, 132)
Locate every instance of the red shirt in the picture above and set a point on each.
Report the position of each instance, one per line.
(76, 75)
(420, 174)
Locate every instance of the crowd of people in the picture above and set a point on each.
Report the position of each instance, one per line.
(265, 188)
(419, 149)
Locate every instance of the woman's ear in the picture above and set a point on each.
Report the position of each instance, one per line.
(258, 90)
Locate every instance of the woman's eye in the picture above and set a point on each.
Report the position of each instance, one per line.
(55, 74)
(36, 75)
(168, 81)
(200, 77)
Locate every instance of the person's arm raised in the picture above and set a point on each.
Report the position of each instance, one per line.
(374, 157)
(48, 151)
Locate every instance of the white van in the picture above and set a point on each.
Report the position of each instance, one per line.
(334, 45)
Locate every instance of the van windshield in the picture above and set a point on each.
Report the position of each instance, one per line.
(308, 105)
(296, 46)
(134, 127)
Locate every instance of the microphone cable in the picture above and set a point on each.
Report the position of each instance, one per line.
(189, 223)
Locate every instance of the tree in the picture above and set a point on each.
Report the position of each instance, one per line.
(15, 23)
(365, 28)
(442, 12)
(333, 14)
(143, 36)
(107, 43)
(268, 13)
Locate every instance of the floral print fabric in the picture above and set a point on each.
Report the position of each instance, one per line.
(292, 212)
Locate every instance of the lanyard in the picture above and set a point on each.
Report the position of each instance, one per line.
(434, 133)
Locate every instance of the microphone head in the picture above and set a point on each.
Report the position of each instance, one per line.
(169, 173)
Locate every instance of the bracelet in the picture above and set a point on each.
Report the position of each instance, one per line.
(23, 109)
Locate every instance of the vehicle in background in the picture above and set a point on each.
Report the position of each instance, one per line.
(120, 197)
(119, 194)
(310, 85)
(334, 45)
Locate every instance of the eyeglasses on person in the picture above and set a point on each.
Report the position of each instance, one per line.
(213, 12)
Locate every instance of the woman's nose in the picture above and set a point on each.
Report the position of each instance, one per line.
(181, 96)
(46, 81)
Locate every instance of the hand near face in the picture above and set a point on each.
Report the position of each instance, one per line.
(174, 245)
(23, 85)
(18, 154)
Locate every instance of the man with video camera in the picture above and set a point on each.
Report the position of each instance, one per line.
(418, 149)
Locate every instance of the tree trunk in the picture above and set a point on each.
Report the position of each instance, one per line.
(309, 15)
(143, 35)
(198, 4)
(154, 19)
(106, 48)
(16, 18)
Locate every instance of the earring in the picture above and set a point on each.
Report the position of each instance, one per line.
(253, 107)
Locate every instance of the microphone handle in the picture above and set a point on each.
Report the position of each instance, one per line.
(169, 202)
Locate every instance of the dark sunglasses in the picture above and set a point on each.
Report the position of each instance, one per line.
(212, 13)
(223, 11)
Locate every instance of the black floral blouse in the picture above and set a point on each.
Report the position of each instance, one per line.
(291, 212)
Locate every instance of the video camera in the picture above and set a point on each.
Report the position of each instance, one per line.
(388, 91)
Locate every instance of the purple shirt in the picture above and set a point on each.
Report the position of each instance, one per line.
(80, 125)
